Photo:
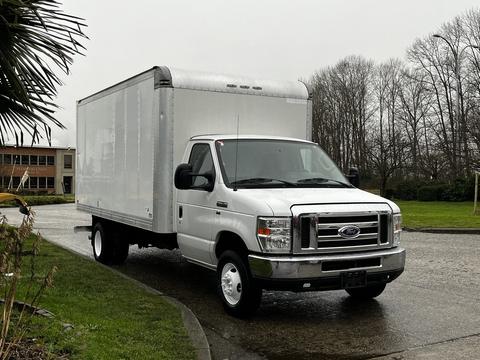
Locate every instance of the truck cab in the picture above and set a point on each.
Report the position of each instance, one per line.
(270, 212)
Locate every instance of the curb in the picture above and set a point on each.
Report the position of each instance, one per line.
(192, 325)
(473, 231)
(194, 329)
(34, 310)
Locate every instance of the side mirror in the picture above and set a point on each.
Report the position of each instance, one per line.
(354, 176)
(184, 178)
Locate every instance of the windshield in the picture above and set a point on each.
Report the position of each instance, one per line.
(276, 163)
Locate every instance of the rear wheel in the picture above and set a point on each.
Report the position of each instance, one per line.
(367, 292)
(108, 247)
(238, 291)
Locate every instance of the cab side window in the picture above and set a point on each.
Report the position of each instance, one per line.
(202, 162)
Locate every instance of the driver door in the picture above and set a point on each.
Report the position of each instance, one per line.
(196, 210)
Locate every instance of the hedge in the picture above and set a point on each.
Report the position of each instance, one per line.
(461, 189)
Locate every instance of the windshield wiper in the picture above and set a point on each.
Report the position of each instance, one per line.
(260, 180)
(320, 180)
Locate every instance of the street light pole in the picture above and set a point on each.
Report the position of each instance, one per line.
(460, 118)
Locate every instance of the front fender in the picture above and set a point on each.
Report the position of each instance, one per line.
(240, 224)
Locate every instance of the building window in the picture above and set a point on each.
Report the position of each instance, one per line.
(42, 160)
(67, 161)
(7, 159)
(50, 160)
(25, 160)
(33, 160)
(51, 182)
(42, 182)
(6, 180)
(33, 182)
(1, 159)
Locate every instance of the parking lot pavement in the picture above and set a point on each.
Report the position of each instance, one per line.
(431, 311)
(463, 348)
(56, 222)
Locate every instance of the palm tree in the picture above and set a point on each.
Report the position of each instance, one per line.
(36, 38)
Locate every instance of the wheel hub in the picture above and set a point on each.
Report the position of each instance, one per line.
(97, 243)
(231, 283)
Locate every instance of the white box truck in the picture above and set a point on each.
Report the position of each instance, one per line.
(223, 168)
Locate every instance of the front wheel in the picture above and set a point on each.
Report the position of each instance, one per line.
(238, 291)
(367, 292)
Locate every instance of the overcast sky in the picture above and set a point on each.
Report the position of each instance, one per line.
(271, 39)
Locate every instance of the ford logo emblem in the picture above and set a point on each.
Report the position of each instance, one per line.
(349, 231)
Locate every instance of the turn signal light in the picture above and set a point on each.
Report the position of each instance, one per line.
(264, 231)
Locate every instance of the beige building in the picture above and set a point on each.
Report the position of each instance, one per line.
(50, 169)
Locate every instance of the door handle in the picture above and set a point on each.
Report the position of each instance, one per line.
(222, 204)
(218, 212)
(180, 212)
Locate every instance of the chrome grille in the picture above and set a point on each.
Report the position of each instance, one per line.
(328, 234)
(319, 232)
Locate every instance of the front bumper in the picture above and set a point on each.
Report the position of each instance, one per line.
(302, 273)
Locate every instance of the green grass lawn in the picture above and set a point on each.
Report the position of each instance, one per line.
(112, 317)
(438, 214)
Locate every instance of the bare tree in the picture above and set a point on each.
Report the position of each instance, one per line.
(419, 119)
(414, 107)
(386, 150)
(342, 109)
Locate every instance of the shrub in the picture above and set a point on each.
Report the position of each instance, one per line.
(461, 189)
(431, 192)
(406, 190)
(43, 200)
(46, 200)
(389, 193)
(14, 252)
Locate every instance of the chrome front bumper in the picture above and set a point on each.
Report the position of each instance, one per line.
(389, 261)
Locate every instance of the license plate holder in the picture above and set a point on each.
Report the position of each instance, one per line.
(354, 279)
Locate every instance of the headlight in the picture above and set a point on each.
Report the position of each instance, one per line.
(274, 234)
(397, 228)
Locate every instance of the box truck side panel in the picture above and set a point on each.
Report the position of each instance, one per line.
(115, 153)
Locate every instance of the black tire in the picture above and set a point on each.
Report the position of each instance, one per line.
(250, 295)
(366, 293)
(108, 247)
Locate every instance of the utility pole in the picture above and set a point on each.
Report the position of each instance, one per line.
(475, 201)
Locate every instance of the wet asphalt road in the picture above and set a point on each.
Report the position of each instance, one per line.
(431, 312)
